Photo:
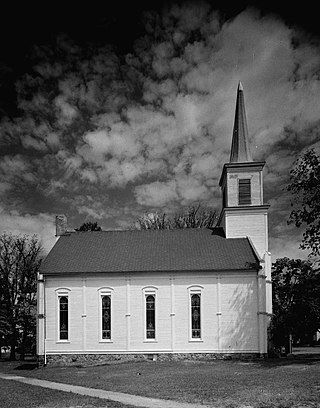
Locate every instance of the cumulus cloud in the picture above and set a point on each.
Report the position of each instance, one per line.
(91, 207)
(16, 170)
(156, 194)
(116, 143)
(41, 225)
(67, 112)
(155, 125)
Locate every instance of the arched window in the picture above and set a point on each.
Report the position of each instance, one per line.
(106, 317)
(196, 316)
(105, 312)
(63, 318)
(150, 317)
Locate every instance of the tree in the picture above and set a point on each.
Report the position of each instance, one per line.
(4, 325)
(153, 220)
(193, 217)
(19, 264)
(305, 187)
(296, 299)
(89, 226)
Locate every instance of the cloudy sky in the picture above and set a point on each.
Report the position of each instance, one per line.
(107, 114)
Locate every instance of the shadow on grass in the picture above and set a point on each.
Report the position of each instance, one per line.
(287, 361)
(26, 366)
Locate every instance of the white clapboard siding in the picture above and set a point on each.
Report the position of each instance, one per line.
(159, 284)
(73, 287)
(239, 319)
(229, 324)
(251, 223)
(95, 287)
(206, 286)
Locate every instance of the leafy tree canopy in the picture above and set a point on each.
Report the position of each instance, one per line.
(305, 187)
(296, 299)
(193, 217)
(89, 226)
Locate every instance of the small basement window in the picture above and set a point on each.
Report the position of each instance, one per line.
(244, 191)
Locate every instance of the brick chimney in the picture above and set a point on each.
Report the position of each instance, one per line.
(61, 225)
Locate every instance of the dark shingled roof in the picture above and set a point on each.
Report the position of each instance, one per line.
(150, 250)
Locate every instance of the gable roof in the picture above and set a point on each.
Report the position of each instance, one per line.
(147, 251)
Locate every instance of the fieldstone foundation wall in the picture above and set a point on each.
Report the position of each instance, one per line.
(97, 359)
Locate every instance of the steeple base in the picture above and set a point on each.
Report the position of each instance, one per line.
(247, 221)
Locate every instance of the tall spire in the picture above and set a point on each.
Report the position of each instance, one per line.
(240, 147)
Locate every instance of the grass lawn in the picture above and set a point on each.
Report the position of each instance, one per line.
(16, 395)
(278, 383)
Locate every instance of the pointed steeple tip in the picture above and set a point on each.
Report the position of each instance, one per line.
(240, 146)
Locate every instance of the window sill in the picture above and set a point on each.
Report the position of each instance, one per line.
(105, 341)
(195, 341)
(63, 341)
(150, 341)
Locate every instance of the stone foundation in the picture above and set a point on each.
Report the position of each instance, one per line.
(97, 359)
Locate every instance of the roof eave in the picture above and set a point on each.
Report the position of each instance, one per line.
(256, 254)
(263, 207)
(259, 166)
(231, 270)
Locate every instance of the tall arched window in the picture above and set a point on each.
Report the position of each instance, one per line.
(106, 317)
(195, 316)
(105, 311)
(63, 318)
(150, 317)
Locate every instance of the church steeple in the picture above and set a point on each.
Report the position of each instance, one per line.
(244, 213)
(240, 152)
(243, 210)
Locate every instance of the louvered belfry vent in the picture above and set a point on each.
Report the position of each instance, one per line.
(244, 191)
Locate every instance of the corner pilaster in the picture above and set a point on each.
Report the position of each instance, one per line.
(41, 318)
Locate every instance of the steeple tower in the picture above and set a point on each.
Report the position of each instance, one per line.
(243, 211)
(240, 147)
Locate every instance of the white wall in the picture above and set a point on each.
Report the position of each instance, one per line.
(228, 312)
(239, 324)
(251, 223)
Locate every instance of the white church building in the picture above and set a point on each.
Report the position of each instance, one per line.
(164, 294)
